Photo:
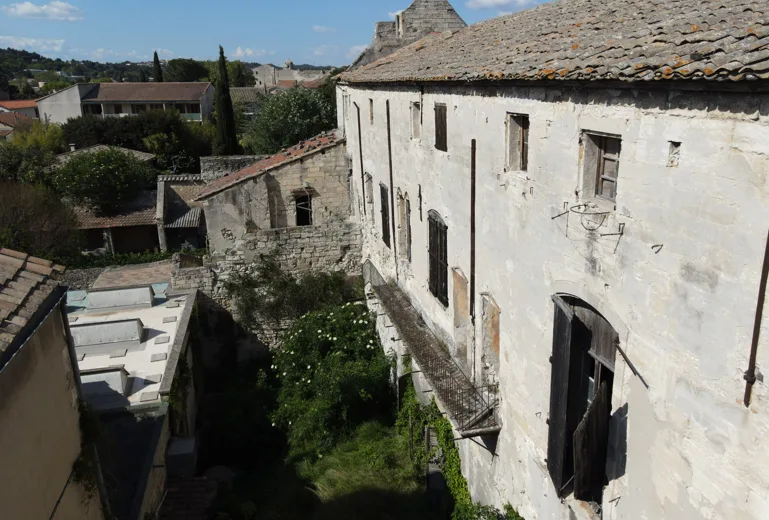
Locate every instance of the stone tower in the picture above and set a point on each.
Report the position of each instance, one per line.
(420, 19)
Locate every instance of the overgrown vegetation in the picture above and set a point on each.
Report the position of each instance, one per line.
(323, 407)
(33, 219)
(270, 293)
(289, 117)
(85, 469)
(104, 181)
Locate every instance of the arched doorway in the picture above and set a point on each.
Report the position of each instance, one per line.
(582, 379)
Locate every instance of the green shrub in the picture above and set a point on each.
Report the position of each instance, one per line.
(104, 180)
(333, 376)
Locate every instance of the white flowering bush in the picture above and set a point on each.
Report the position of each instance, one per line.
(333, 376)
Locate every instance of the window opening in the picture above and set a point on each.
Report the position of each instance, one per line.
(584, 347)
(303, 210)
(518, 142)
(441, 137)
(385, 206)
(439, 269)
(416, 120)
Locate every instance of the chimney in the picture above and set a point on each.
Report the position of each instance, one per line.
(72, 147)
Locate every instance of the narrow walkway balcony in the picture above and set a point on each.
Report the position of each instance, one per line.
(471, 409)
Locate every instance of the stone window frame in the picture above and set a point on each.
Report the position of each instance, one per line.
(415, 113)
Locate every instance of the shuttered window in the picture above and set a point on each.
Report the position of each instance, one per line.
(385, 205)
(558, 463)
(437, 250)
(441, 138)
(517, 142)
(580, 400)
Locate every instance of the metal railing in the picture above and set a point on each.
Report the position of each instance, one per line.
(473, 409)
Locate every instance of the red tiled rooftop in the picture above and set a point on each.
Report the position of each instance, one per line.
(13, 119)
(281, 158)
(18, 104)
(106, 92)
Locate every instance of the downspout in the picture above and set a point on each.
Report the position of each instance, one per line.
(750, 375)
(472, 244)
(360, 152)
(392, 193)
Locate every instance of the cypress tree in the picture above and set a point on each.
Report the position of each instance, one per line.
(226, 135)
(157, 72)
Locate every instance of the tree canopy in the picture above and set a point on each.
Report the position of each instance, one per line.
(226, 133)
(186, 70)
(104, 180)
(289, 117)
(157, 70)
(33, 219)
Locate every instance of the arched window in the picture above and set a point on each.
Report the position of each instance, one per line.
(438, 253)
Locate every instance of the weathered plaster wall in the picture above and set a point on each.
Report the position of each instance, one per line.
(684, 311)
(64, 105)
(39, 431)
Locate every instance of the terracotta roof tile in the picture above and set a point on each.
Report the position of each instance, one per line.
(140, 212)
(25, 283)
(18, 104)
(627, 40)
(106, 92)
(13, 119)
(245, 94)
(281, 158)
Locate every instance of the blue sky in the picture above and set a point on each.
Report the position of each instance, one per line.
(306, 31)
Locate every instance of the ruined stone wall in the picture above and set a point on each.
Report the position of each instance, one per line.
(212, 168)
(674, 266)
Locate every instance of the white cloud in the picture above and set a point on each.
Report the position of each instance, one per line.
(55, 10)
(34, 44)
(240, 52)
(323, 29)
(396, 13)
(165, 53)
(324, 50)
(102, 53)
(489, 4)
(354, 51)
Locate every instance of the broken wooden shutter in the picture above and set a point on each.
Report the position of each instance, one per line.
(591, 439)
(559, 386)
(385, 204)
(441, 137)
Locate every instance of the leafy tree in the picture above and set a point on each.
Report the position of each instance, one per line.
(240, 75)
(42, 136)
(24, 164)
(25, 89)
(103, 180)
(288, 118)
(157, 71)
(53, 86)
(143, 76)
(33, 219)
(226, 134)
(131, 132)
(186, 70)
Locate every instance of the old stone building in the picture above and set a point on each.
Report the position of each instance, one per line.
(564, 221)
(414, 23)
(297, 201)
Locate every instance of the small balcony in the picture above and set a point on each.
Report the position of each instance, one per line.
(472, 409)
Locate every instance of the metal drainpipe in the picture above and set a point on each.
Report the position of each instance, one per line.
(394, 233)
(750, 375)
(473, 152)
(360, 152)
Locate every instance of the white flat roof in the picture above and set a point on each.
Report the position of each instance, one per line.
(146, 365)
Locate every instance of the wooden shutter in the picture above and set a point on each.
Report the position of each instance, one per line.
(441, 137)
(590, 446)
(524, 143)
(385, 204)
(559, 393)
(438, 253)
